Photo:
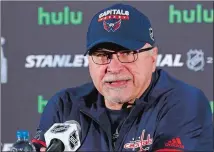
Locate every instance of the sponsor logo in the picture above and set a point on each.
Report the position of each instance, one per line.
(197, 15)
(196, 60)
(79, 60)
(212, 106)
(73, 139)
(115, 16)
(141, 143)
(65, 17)
(41, 103)
(3, 63)
(56, 61)
(169, 60)
(175, 143)
(60, 128)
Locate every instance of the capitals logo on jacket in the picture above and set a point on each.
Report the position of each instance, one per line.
(112, 19)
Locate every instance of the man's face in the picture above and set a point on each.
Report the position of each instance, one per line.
(123, 82)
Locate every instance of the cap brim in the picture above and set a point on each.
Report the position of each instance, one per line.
(129, 44)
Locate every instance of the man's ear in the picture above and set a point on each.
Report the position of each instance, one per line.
(154, 57)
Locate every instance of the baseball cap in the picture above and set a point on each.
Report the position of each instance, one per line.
(122, 25)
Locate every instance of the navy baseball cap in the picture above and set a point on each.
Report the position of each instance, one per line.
(122, 25)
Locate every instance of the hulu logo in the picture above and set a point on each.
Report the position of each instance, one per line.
(65, 17)
(41, 103)
(212, 106)
(197, 15)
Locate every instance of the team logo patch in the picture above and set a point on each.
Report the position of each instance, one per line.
(112, 19)
(141, 143)
(111, 26)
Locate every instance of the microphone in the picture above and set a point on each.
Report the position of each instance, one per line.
(63, 136)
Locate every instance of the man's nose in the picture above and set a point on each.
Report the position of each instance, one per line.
(115, 66)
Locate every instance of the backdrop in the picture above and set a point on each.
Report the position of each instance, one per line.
(42, 47)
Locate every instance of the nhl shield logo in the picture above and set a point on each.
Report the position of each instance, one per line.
(195, 60)
(74, 139)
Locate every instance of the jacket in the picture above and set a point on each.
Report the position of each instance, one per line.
(172, 115)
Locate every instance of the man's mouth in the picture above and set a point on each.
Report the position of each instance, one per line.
(117, 83)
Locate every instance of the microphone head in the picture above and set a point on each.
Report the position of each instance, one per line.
(56, 145)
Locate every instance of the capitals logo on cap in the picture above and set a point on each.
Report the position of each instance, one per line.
(112, 19)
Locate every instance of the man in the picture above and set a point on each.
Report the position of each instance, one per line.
(131, 105)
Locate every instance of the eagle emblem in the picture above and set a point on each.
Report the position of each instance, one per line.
(112, 26)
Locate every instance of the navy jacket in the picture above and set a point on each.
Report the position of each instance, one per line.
(173, 115)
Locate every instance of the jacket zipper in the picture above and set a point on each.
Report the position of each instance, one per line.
(122, 127)
(112, 145)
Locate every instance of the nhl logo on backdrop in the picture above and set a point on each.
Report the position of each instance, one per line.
(112, 19)
(195, 60)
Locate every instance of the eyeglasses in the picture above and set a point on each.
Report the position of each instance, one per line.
(102, 56)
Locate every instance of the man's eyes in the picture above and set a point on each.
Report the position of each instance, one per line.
(126, 52)
(100, 54)
(104, 54)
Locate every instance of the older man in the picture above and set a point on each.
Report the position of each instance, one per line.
(131, 105)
